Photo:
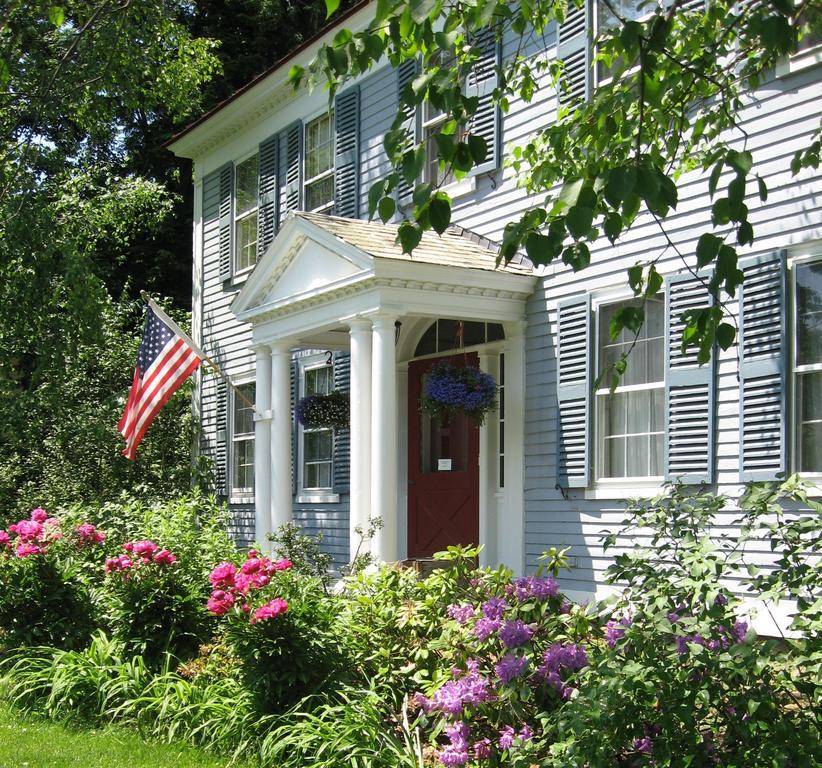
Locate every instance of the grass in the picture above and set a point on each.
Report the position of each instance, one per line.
(31, 742)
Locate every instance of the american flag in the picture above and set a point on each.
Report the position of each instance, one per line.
(164, 362)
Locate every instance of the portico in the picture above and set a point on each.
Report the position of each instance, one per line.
(329, 283)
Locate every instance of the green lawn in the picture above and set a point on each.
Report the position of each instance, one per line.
(29, 742)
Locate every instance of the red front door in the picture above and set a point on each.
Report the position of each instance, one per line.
(443, 472)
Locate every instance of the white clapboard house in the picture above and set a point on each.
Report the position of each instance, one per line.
(295, 292)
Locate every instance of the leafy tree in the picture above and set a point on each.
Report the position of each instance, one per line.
(679, 76)
(72, 77)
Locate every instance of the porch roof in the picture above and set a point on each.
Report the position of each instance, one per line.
(322, 271)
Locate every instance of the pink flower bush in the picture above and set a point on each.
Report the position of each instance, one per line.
(140, 554)
(238, 583)
(271, 609)
(32, 536)
(164, 557)
(5, 539)
(119, 563)
(87, 535)
(39, 515)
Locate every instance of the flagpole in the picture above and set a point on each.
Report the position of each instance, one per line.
(182, 334)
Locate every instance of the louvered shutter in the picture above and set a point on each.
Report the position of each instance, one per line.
(347, 153)
(221, 440)
(763, 367)
(342, 437)
(690, 441)
(291, 183)
(482, 81)
(406, 72)
(226, 216)
(574, 50)
(267, 210)
(294, 453)
(574, 391)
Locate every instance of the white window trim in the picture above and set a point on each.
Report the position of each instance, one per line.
(807, 255)
(311, 495)
(236, 272)
(618, 487)
(307, 182)
(237, 495)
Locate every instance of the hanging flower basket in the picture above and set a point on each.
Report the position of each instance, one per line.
(451, 389)
(324, 411)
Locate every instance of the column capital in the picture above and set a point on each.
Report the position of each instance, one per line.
(515, 328)
(384, 320)
(261, 349)
(359, 324)
(280, 347)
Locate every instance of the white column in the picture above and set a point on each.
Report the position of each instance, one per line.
(511, 520)
(488, 458)
(262, 448)
(360, 336)
(280, 435)
(384, 437)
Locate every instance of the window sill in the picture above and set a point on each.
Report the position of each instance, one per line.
(625, 491)
(457, 189)
(317, 497)
(799, 61)
(241, 498)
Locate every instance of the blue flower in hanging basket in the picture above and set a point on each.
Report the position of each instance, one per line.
(324, 411)
(452, 389)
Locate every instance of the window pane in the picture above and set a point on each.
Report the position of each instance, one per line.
(638, 407)
(809, 408)
(613, 457)
(318, 380)
(657, 443)
(319, 195)
(318, 445)
(243, 412)
(809, 313)
(319, 146)
(246, 241)
(246, 185)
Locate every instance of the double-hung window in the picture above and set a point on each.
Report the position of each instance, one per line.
(630, 422)
(807, 366)
(242, 441)
(319, 164)
(246, 199)
(317, 443)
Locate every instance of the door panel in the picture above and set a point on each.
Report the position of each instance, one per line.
(443, 471)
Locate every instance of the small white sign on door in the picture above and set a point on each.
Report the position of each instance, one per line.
(443, 465)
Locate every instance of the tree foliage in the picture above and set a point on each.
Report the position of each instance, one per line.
(678, 82)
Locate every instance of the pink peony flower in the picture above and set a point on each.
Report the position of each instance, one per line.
(27, 530)
(119, 563)
(5, 541)
(271, 609)
(252, 565)
(223, 575)
(282, 565)
(39, 515)
(87, 534)
(164, 557)
(25, 549)
(144, 549)
(220, 602)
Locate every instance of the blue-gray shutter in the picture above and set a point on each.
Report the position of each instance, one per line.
(295, 374)
(406, 72)
(347, 153)
(574, 391)
(574, 50)
(226, 219)
(690, 389)
(342, 437)
(292, 170)
(482, 80)
(221, 479)
(267, 211)
(763, 348)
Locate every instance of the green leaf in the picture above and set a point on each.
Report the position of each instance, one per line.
(707, 249)
(4, 73)
(57, 15)
(635, 278)
(439, 212)
(409, 236)
(745, 233)
(654, 281)
(725, 335)
(386, 208)
(577, 256)
(295, 74)
(412, 164)
(478, 148)
(420, 9)
(374, 196)
(540, 248)
(578, 221)
(421, 193)
(763, 188)
(620, 183)
(569, 194)
(612, 225)
(714, 179)
(462, 158)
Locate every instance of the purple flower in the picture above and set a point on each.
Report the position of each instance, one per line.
(482, 749)
(538, 587)
(460, 613)
(559, 657)
(720, 599)
(615, 630)
(506, 737)
(510, 667)
(515, 633)
(739, 631)
(673, 617)
(456, 753)
(455, 695)
(525, 733)
(645, 745)
(494, 607)
(485, 627)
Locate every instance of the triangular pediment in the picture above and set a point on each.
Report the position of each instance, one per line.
(302, 262)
